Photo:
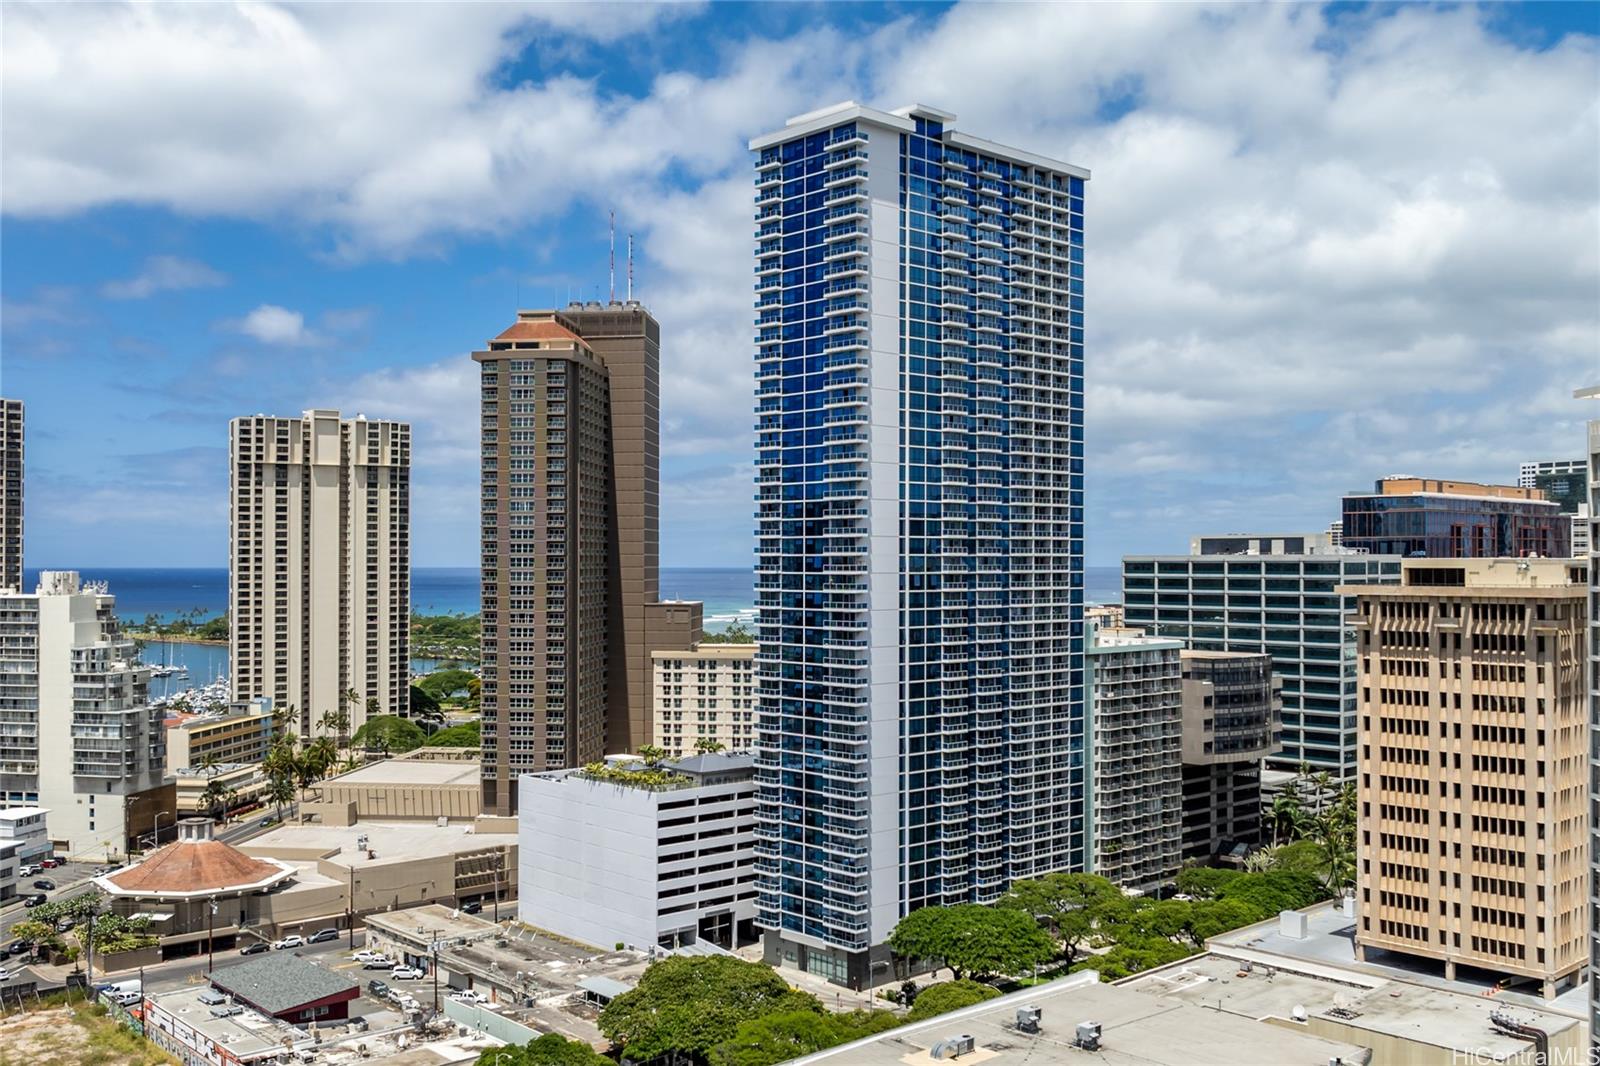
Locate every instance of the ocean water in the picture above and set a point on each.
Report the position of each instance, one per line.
(728, 595)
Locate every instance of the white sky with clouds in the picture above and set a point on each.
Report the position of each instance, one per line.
(1318, 252)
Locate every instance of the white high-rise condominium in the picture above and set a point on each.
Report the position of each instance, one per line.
(919, 368)
(319, 565)
(77, 733)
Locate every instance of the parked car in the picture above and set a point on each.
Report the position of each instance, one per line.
(44, 883)
(468, 995)
(19, 947)
(35, 900)
(409, 1003)
(378, 962)
(474, 907)
(257, 948)
(322, 936)
(27, 871)
(289, 942)
(49, 864)
(265, 822)
(5, 974)
(364, 955)
(405, 973)
(378, 988)
(64, 925)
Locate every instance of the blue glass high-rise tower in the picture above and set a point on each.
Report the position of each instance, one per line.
(919, 469)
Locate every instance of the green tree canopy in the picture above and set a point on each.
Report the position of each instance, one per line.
(389, 733)
(973, 940)
(949, 996)
(441, 683)
(775, 1038)
(421, 702)
(736, 633)
(551, 1049)
(1068, 906)
(465, 735)
(690, 1004)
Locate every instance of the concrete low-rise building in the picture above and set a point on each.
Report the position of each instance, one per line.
(659, 858)
(28, 829)
(549, 983)
(301, 879)
(428, 783)
(9, 863)
(188, 1025)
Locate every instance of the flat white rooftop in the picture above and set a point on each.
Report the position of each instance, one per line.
(413, 772)
(1452, 1021)
(1330, 941)
(1137, 1029)
(387, 841)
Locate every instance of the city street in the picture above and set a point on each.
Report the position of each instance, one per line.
(70, 878)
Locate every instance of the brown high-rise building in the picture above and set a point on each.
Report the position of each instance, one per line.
(571, 541)
(11, 494)
(1472, 846)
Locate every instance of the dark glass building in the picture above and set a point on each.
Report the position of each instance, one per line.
(1423, 517)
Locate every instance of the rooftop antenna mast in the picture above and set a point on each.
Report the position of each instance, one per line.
(613, 257)
(630, 268)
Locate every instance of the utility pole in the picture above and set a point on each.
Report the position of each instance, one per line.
(499, 868)
(350, 911)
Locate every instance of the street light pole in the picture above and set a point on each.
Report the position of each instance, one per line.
(211, 942)
(499, 868)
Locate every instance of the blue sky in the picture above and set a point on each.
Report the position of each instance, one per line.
(1324, 244)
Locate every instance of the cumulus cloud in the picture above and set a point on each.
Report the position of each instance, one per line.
(271, 324)
(1320, 241)
(164, 273)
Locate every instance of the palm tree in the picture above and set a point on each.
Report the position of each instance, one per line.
(708, 746)
(1288, 817)
(651, 755)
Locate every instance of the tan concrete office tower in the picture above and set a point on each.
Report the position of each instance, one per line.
(11, 440)
(1472, 845)
(571, 529)
(319, 564)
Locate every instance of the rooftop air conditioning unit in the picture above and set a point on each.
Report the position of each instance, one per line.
(1028, 1018)
(1088, 1037)
(953, 1047)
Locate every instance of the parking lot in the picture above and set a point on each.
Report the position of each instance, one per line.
(69, 879)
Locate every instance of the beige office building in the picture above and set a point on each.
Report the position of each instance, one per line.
(705, 693)
(570, 541)
(319, 553)
(11, 445)
(1472, 846)
(241, 733)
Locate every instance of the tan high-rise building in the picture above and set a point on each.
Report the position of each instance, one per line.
(319, 564)
(1472, 846)
(11, 440)
(705, 693)
(571, 539)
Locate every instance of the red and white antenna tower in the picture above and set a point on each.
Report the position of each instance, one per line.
(613, 257)
(630, 268)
